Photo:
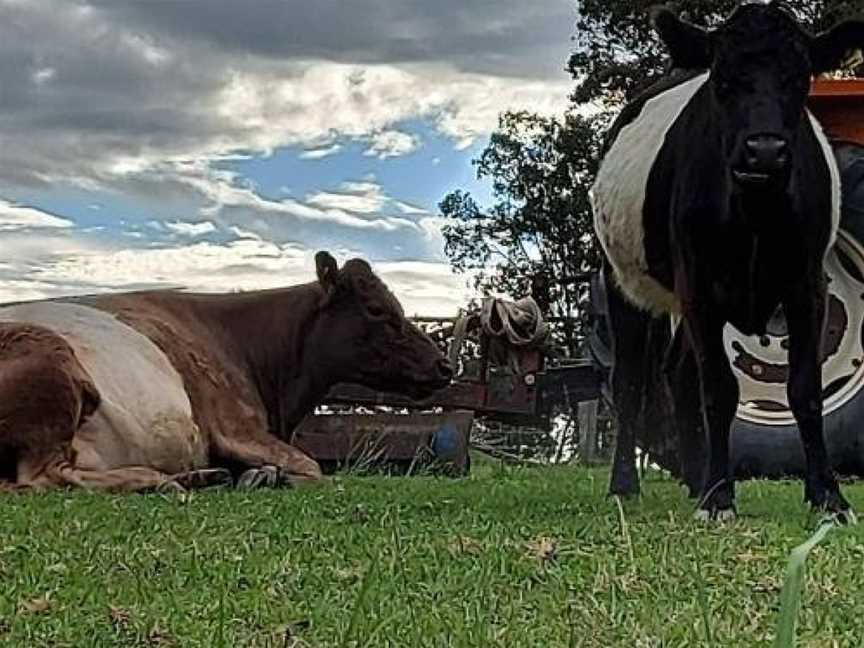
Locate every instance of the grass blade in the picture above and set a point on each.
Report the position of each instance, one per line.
(625, 533)
(704, 605)
(793, 584)
(358, 604)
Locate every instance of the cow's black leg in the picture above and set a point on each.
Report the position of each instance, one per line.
(629, 331)
(719, 393)
(805, 315)
(682, 376)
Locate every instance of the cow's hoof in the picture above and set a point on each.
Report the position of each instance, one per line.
(10, 488)
(170, 486)
(263, 477)
(721, 516)
(835, 505)
(829, 501)
(204, 478)
(846, 518)
(717, 503)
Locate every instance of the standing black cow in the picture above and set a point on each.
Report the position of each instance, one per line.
(717, 200)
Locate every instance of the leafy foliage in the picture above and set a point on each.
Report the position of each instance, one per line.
(536, 238)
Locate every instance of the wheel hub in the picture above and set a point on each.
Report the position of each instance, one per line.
(761, 362)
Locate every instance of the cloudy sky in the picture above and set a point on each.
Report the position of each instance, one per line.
(217, 144)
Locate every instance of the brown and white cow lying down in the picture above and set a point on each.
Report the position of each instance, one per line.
(149, 390)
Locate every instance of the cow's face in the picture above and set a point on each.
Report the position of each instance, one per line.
(761, 62)
(363, 336)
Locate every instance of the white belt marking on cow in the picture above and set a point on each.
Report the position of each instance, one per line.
(834, 172)
(618, 195)
(145, 417)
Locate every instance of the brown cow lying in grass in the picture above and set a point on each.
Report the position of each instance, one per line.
(150, 390)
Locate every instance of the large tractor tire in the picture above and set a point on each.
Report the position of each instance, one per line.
(764, 437)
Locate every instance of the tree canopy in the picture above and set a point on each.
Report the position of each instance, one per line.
(537, 237)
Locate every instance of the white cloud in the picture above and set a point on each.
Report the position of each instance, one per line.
(147, 48)
(505, 36)
(431, 227)
(131, 90)
(243, 263)
(320, 153)
(44, 75)
(122, 103)
(76, 266)
(391, 143)
(190, 229)
(429, 289)
(223, 191)
(358, 197)
(308, 102)
(241, 233)
(14, 290)
(19, 217)
(408, 208)
(147, 100)
(25, 253)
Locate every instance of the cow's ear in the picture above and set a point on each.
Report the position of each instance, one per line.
(689, 46)
(328, 273)
(830, 49)
(358, 277)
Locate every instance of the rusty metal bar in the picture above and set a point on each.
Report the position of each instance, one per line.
(459, 395)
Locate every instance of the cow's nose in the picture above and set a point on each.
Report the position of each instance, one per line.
(767, 153)
(444, 369)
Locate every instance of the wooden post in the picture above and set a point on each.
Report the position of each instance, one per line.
(588, 431)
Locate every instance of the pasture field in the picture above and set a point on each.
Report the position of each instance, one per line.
(508, 557)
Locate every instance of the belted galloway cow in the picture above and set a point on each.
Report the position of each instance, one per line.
(717, 201)
(166, 389)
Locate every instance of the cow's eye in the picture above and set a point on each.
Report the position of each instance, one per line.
(375, 312)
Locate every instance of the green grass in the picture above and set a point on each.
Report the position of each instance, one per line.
(508, 557)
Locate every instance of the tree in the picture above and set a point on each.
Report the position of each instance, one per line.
(537, 237)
